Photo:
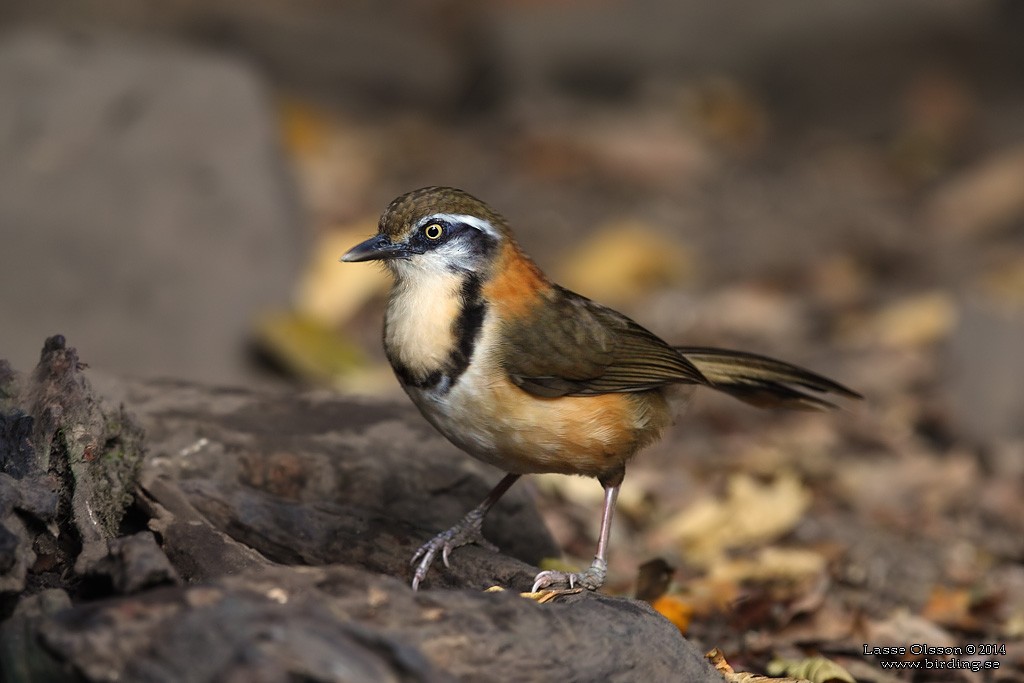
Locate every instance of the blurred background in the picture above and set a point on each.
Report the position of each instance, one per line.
(838, 184)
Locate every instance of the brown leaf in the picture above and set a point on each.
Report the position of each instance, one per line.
(951, 607)
(717, 659)
(653, 578)
(904, 628)
(982, 199)
(626, 149)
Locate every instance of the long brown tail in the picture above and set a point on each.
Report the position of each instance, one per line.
(761, 381)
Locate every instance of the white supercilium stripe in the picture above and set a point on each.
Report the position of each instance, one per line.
(473, 221)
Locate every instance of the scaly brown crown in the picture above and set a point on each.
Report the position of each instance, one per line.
(405, 213)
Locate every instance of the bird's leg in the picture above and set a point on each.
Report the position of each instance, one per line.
(593, 577)
(468, 530)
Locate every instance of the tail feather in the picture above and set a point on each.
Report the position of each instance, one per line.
(761, 381)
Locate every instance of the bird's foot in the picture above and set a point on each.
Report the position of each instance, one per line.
(468, 530)
(591, 578)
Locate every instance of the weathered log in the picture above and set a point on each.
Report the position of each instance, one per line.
(269, 540)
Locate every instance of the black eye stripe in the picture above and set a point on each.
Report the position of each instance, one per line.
(474, 242)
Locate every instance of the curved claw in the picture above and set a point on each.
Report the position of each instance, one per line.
(445, 552)
(465, 532)
(591, 578)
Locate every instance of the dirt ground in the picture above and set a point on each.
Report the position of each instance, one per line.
(840, 187)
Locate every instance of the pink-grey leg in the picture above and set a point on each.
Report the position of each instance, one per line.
(593, 577)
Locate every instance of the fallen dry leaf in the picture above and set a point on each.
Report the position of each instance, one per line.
(332, 292)
(633, 500)
(752, 310)
(623, 261)
(710, 595)
(982, 199)
(717, 659)
(952, 607)
(676, 609)
(910, 322)
(306, 347)
(816, 617)
(653, 578)
(751, 512)
(652, 148)
(814, 669)
(772, 564)
(1013, 626)
(913, 487)
(546, 596)
(904, 628)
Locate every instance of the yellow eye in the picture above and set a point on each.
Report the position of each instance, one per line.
(433, 231)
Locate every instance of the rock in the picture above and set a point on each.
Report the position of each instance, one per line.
(144, 205)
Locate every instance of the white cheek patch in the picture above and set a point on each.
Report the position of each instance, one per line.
(456, 251)
(436, 263)
(472, 221)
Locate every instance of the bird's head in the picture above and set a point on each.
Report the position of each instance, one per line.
(435, 230)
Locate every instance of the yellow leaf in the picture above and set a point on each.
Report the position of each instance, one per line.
(915, 321)
(543, 597)
(814, 669)
(750, 513)
(332, 292)
(623, 261)
(772, 564)
(587, 493)
(1013, 627)
(307, 347)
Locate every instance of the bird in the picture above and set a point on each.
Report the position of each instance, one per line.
(531, 377)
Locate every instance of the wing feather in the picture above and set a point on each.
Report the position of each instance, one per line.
(572, 346)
